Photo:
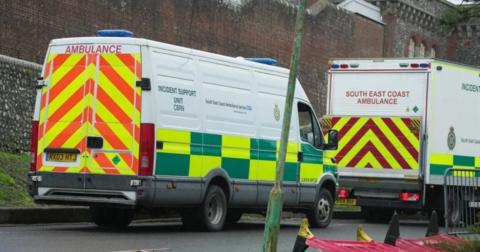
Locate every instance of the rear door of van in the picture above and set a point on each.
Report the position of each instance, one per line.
(89, 118)
(379, 115)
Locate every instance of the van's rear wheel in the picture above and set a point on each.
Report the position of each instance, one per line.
(322, 212)
(213, 211)
(111, 217)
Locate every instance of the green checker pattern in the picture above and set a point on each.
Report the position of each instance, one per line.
(169, 163)
(438, 166)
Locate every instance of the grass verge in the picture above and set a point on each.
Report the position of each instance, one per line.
(13, 180)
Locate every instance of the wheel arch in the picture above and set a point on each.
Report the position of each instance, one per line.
(220, 178)
(328, 182)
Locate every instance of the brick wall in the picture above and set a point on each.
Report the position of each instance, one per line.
(259, 28)
(249, 28)
(408, 19)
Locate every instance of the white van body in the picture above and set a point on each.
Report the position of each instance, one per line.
(152, 125)
(402, 123)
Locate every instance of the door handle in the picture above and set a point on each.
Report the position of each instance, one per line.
(94, 142)
(300, 156)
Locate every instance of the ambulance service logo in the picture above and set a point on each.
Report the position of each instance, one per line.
(276, 113)
(451, 139)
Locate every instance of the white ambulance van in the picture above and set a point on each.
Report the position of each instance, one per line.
(125, 123)
(402, 123)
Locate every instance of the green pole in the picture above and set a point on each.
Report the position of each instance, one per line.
(275, 203)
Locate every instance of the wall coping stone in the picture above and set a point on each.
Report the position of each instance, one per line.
(20, 62)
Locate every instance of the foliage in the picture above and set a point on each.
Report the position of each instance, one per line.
(460, 14)
(466, 246)
(474, 229)
(13, 180)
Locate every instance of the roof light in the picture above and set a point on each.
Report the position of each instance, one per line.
(266, 61)
(343, 66)
(425, 65)
(414, 65)
(403, 64)
(354, 65)
(335, 66)
(114, 33)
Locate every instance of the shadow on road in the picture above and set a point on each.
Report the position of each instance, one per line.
(166, 227)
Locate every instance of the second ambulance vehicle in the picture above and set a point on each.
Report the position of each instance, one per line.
(402, 123)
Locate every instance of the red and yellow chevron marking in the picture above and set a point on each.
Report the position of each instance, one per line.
(376, 142)
(92, 95)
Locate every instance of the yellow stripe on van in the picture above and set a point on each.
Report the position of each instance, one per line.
(236, 147)
(441, 159)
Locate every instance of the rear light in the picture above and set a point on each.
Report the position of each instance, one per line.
(343, 193)
(147, 148)
(33, 147)
(409, 196)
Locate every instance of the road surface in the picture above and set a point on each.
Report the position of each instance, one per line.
(169, 235)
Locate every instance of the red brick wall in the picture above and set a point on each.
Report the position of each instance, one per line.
(261, 28)
(368, 39)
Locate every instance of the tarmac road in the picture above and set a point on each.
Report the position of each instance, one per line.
(169, 235)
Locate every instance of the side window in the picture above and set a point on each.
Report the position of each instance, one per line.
(309, 129)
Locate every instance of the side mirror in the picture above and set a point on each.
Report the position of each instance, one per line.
(40, 83)
(332, 143)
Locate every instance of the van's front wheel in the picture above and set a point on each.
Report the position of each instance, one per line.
(111, 217)
(322, 212)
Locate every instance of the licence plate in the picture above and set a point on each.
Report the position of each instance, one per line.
(62, 157)
(348, 202)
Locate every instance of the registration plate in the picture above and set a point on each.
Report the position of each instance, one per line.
(62, 157)
(348, 202)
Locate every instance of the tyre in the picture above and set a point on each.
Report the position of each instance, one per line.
(233, 216)
(321, 214)
(213, 211)
(111, 217)
(377, 214)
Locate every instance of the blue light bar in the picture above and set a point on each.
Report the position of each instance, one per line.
(114, 33)
(425, 65)
(266, 61)
(335, 66)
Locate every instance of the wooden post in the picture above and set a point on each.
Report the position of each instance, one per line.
(275, 203)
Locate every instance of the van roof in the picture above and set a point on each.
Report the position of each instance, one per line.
(152, 43)
(398, 60)
(299, 91)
